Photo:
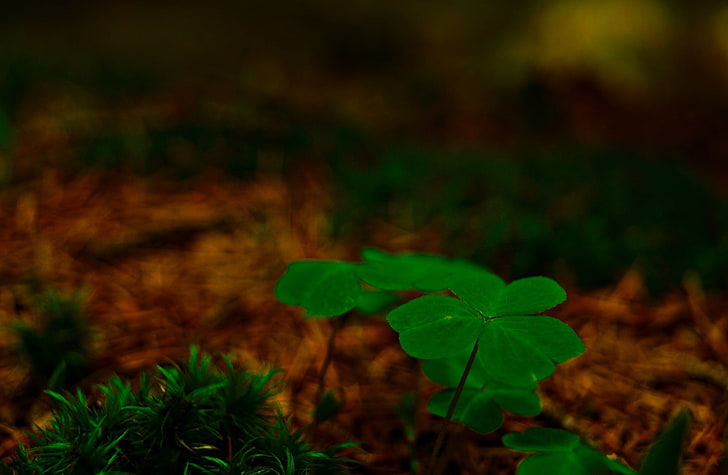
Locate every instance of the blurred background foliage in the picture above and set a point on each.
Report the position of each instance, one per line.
(572, 138)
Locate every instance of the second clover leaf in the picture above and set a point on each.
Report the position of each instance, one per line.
(560, 453)
(424, 272)
(475, 409)
(488, 293)
(530, 295)
(481, 400)
(520, 350)
(323, 288)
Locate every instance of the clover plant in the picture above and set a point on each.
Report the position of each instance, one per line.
(516, 347)
(332, 289)
(324, 289)
(484, 340)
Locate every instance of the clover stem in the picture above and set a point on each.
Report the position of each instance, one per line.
(336, 326)
(451, 410)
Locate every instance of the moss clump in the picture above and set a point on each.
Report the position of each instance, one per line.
(196, 419)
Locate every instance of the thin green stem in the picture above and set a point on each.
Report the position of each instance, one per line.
(336, 326)
(451, 410)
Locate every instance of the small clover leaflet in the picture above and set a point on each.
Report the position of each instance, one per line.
(376, 301)
(424, 272)
(517, 348)
(323, 288)
(561, 453)
(523, 349)
(435, 326)
(481, 399)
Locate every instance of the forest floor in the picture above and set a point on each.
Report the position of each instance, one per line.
(166, 265)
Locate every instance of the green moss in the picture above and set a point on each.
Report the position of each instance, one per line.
(194, 419)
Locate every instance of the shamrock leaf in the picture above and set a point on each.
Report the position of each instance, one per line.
(519, 349)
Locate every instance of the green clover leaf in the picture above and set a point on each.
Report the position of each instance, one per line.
(481, 400)
(425, 272)
(488, 293)
(541, 439)
(517, 348)
(323, 288)
(435, 326)
(475, 409)
(481, 289)
(448, 371)
(561, 453)
(521, 349)
(376, 301)
(528, 296)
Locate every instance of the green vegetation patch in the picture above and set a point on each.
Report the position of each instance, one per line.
(195, 419)
(587, 214)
